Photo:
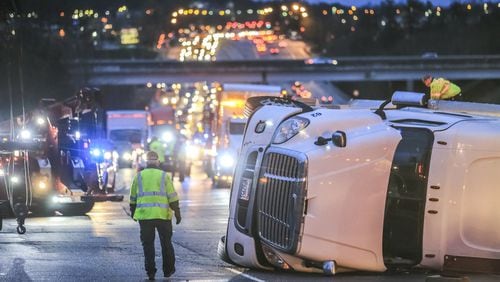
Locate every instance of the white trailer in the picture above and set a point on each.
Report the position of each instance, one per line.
(330, 190)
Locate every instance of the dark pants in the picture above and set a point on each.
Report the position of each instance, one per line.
(164, 228)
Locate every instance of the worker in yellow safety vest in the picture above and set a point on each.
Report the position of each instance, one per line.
(441, 89)
(157, 147)
(153, 202)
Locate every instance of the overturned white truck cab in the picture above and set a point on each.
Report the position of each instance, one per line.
(331, 190)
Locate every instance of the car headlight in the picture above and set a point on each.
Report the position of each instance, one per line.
(108, 155)
(226, 160)
(289, 128)
(127, 156)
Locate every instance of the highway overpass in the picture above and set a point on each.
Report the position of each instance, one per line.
(403, 68)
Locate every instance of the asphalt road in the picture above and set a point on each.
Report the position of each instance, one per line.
(245, 50)
(105, 245)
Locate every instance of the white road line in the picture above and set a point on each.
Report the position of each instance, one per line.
(245, 275)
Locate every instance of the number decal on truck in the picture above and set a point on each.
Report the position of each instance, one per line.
(316, 114)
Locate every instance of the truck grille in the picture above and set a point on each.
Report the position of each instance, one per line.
(281, 192)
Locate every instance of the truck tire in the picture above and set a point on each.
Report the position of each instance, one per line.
(21, 229)
(222, 252)
(254, 103)
(76, 209)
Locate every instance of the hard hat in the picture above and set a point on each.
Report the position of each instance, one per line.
(152, 156)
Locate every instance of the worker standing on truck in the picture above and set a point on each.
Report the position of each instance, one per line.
(159, 148)
(442, 89)
(153, 202)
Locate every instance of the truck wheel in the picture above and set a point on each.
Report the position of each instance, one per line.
(254, 103)
(222, 252)
(21, 229)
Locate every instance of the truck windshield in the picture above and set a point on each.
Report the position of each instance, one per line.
(126, 135)
(236, 128)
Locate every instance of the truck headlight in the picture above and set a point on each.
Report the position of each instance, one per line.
(61, 199)
(25, 134)
(192, 151)
(289, 128)
(226, 160)
(168, 136)
(42, 184)
(14, 179)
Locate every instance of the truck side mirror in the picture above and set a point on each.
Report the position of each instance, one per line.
(339, 139)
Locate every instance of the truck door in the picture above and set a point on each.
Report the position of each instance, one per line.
(406, 195)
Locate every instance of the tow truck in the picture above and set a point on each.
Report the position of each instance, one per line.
(56, 159)
(411, 183)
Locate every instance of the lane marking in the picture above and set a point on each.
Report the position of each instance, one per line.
(245, 275)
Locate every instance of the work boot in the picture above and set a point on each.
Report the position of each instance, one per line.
(151, 276)
(168, 274)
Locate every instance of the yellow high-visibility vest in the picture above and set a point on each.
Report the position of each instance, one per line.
(152, 191)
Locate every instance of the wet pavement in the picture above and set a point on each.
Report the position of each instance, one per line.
(105, 245)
